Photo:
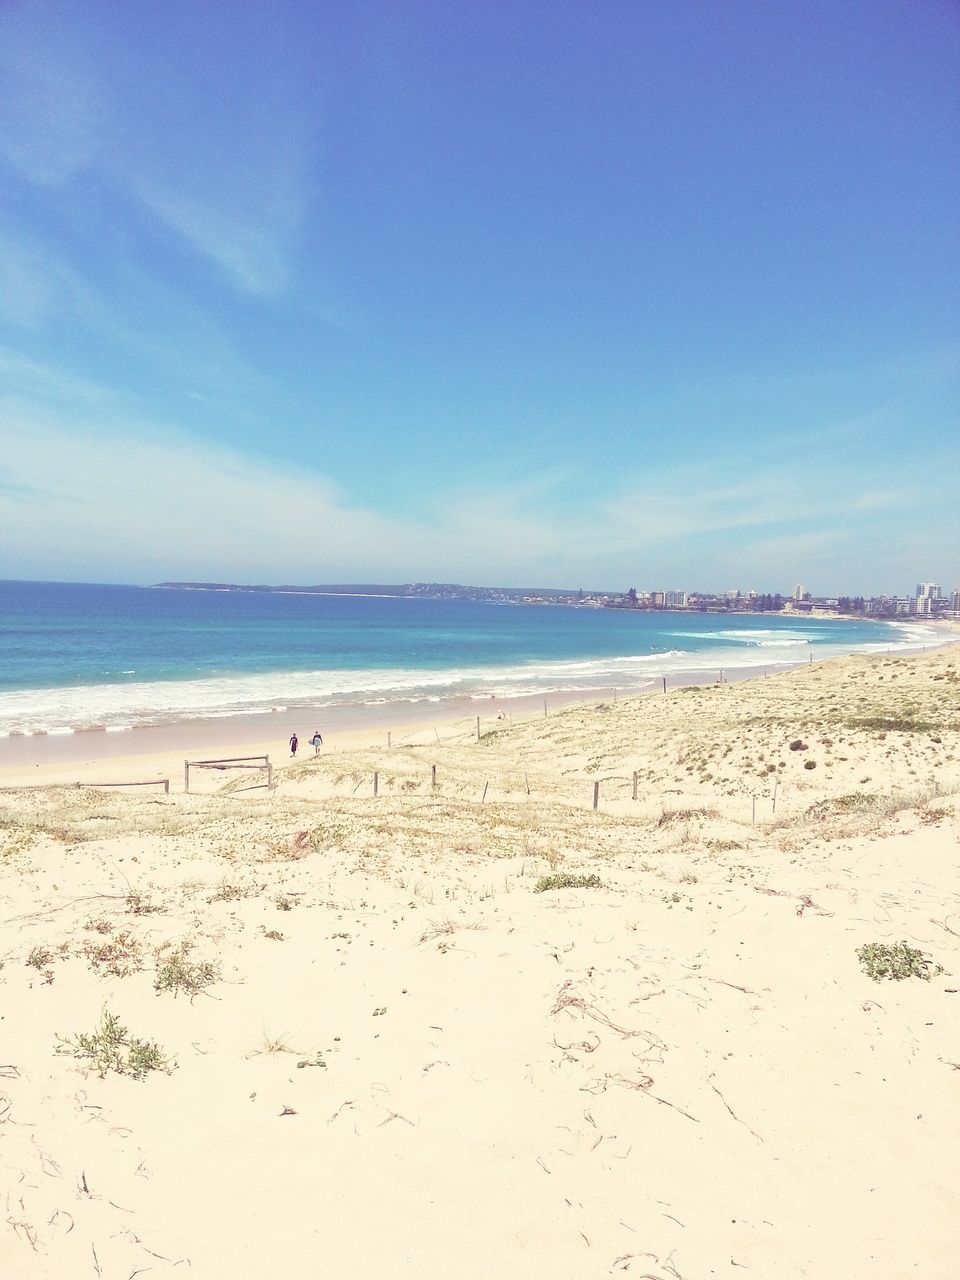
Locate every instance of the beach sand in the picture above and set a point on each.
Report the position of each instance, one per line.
(390, 1055)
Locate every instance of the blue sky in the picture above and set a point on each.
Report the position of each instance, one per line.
(607, 294)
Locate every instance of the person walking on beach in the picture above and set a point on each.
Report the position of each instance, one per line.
(316, 742)
(293, 744)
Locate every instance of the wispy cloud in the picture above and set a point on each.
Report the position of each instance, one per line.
(75, 101)
(107, 488)
(52, 123)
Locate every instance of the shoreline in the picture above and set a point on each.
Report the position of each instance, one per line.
(350, 724)
(41, 723)
(159, 751)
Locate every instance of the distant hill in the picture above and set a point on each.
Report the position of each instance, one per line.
(423, 590)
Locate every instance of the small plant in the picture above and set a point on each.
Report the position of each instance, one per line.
(228, 893)
(436, 929)
(798, 745)
(897, 724)
(564, 880)
(99, 924)
(896, 961)
(809, 764)
(284, 902)
(110, 1047)
(176, 973)
(930, 816)
(272, 1044)
(121, 956)
(39, 958)
(274, 935)
(668, 816)
(138, 905)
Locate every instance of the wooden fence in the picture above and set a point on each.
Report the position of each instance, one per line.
(261, 763)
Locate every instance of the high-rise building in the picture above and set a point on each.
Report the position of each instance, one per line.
(798, 591)
(928, 591)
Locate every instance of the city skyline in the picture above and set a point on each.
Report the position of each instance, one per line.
(532, 292)
(928, 600)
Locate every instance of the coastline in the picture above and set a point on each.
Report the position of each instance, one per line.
(158, 749)
(267, 732)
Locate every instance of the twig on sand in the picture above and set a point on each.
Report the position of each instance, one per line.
(395, 1115)
(747, 991)
(672, 1105)
(62, 906)
(348, 1103)
(567, 999)
(733, 1113)
(27, 1229)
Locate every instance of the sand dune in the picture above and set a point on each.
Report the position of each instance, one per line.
(391, 1050)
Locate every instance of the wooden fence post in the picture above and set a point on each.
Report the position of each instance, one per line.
(478, 728)
(596, 794)
(186, 777)
(433, 776)
(376, 783)
(634, 784)
(664, 679)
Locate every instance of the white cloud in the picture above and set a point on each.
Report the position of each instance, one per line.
(92, 490)
(51, 116)
(142, 502)
(75, 100)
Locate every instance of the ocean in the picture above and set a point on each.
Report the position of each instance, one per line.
(79, 657)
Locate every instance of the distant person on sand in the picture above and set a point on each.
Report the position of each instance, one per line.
(293, 744)
(316, 742)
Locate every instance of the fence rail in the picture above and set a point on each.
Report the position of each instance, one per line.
(230, 762)
(150, 782)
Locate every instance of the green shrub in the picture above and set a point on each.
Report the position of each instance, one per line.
(896, 724)
(896, 961)
(564, 880)
(176, 973)
(110, 1047)
(121, 956)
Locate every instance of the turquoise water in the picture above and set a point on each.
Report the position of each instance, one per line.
(75, 656)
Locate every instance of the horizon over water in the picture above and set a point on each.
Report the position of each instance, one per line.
(76, 657)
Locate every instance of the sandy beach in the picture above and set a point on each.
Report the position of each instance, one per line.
(577, 997)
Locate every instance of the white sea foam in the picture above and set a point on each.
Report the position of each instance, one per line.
(760, 639)
(119, 707)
